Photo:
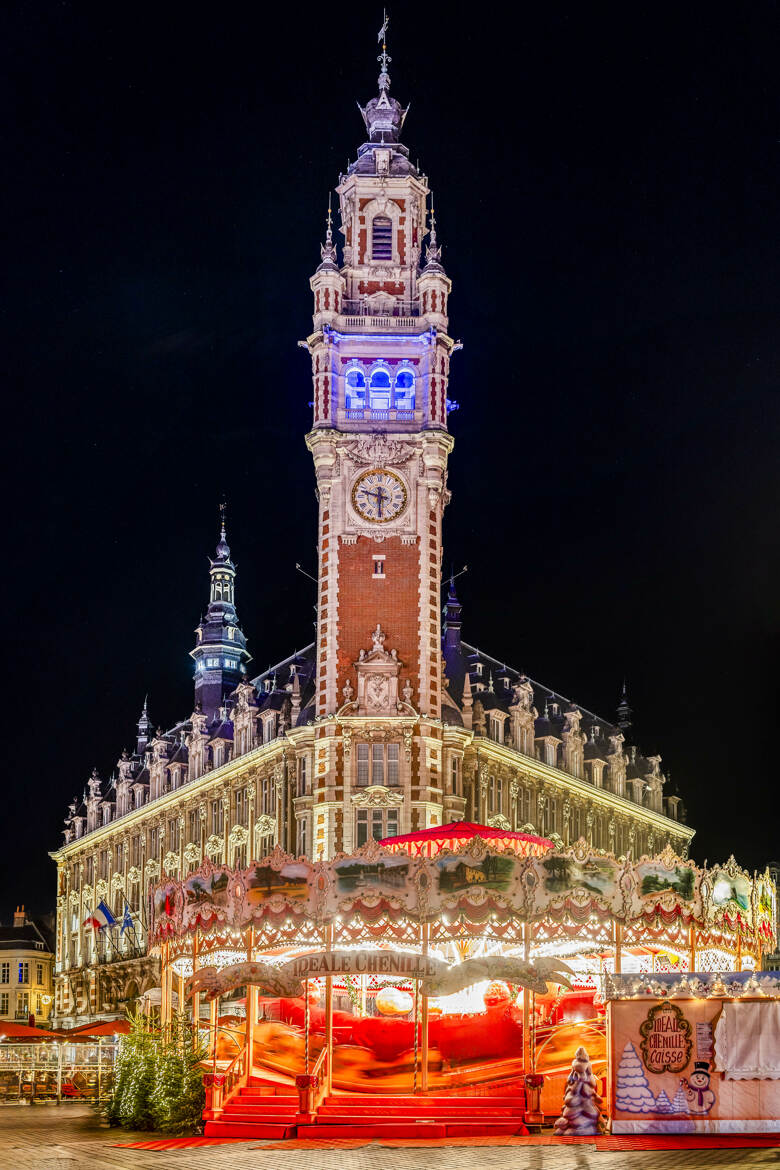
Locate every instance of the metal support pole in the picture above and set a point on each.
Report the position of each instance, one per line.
(306, 1023)
(416, 1030)
(213, 1009)
(196, 995)
(692, 944)
(618, 948)
(526, 1003)
(251, 1006)
(329, 1014)
(424, 1071)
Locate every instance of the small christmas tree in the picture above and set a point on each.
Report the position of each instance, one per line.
(680, 1103)
(633, 1091)
(662, 1103)
(581, 1102)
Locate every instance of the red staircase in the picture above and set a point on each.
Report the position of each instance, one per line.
(258, 1111)
(416, 1117)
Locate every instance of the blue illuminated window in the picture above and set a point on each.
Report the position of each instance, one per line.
(379, 395)
(231, 664)
(382, 238)
(356, 389)
(404, 390)
(212, 663)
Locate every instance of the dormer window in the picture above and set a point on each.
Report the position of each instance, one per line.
(479, 669)
(382, 238)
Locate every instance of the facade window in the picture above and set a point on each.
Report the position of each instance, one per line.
(4, 1003)
(24, 971)
(479, 669)
(212, 663)
(455, 776)
(154, 841)
(382, 238)
(302, 775)
(231, 664)
(118, 858)
(496, 728)
(242, 806)
(231, 634)
(174, 836)
(104, 862)
(404, 390)
(355, 389)
(38, 1005)
(267, 796)
(194, 826)
(5, 972)
(268, 729)
(379, 390)
(378, 822)
(300, 842)
(495, 794)
(378, 763)
(379, 566)
(90, 870)
(135, 850)
(23, 1004)
(217, 817)
(39, 974)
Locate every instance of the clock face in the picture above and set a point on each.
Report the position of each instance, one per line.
(379, 495)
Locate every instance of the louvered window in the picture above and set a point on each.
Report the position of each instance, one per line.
(382, 238)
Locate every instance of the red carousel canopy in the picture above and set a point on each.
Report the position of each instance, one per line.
(429, 842)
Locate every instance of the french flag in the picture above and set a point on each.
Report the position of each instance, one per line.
(101, 918)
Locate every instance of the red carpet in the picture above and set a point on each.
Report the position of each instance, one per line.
(176, 1143)
(607, 1143)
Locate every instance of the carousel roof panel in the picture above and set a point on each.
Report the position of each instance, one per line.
(438, 837)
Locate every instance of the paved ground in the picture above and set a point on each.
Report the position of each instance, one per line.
(70, 1138)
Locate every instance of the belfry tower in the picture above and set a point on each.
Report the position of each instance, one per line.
(380, 354)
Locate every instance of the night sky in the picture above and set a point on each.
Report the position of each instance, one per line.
(606, 189)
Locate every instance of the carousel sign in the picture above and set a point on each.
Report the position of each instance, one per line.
(404, 964)
(666, 1039)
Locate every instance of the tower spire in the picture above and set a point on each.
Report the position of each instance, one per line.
(220, 653)
(624, 710)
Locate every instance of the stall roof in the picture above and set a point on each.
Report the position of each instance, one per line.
(429, 842)
(11, 1031)
(104, 1028)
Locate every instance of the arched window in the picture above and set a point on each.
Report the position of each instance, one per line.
(381, 238)
(356, 389)
(380, 390)
(404, 390)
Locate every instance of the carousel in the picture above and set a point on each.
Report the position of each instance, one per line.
(460, 960)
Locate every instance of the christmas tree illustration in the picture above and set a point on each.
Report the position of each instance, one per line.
(662, 1103)
(633, 1090)
(680, 1104)
(581, 1101)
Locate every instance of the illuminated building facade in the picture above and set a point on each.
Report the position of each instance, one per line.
(389, 722)
(26, 972)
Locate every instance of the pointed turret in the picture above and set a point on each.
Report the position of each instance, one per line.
(384, 116)
(220, 654)
(624, 711)
(452, 623)
(144, 728)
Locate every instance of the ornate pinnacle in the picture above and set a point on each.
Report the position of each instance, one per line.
(328, 249)
(383, 59)
(432, 250)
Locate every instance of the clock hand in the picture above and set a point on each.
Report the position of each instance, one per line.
(381, 498)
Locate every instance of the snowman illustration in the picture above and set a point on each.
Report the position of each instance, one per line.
(698, 1094)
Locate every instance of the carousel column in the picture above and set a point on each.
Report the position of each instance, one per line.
(692, 945)
(329, 1014)
(196, 994)
(424, 1077)
(618, 938)
(526, 1000)
(251, 1004)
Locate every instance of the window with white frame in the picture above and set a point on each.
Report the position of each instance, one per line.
(355, 388)
(4, 1001)
(455, 776)
(378, 763)
(24, 971)
(39, 974)
(5, 972)
(267, 796)
(23, 1003)
(301, 837)
(217, 816)
(379, 390)
(303, 778)
(495, 794)
(379, 565)
(375, 822)
(241, 806)
(269, 725)
(403, 398)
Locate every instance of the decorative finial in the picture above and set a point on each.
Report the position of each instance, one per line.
(432, 249)
(383, 59)
(328, 249)
(222, 514)
(223, 549)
